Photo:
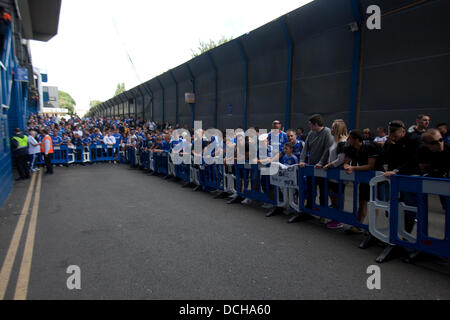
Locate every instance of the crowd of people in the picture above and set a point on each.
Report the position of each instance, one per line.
(397, 149)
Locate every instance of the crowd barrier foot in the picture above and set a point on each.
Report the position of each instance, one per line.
(237, 199)
(275, 211)
(368, 241)
(167, 177)
(300, 217)
(187, 185)
(417, 256)
(390, 252)
(196, 188)
(221, 195)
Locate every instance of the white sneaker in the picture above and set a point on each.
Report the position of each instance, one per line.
(246, 201)
(267, 206)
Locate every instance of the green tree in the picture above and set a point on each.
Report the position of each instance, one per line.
(120, 89)
(66, 102)
(206, 46)
(92, 105)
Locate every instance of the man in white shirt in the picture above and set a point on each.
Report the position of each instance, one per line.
(109, 139)
(78, 132)
(381, 136)
(34, 149)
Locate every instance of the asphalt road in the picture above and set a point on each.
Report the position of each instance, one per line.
(136, 236)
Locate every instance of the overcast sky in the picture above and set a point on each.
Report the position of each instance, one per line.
(88, 56)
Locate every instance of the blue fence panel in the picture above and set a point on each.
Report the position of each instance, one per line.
(161, 162)
(309, 179)
(211, 176)
(250, 184)
(183, 171)
(413, 192)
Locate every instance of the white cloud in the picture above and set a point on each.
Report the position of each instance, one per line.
(87, 58)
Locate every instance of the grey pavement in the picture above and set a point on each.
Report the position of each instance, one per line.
(136, 236)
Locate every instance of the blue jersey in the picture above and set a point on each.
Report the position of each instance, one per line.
(118, 137)
(283, 140)
(99, 138)
(166, 146)
(289, 160)
(298, 147)
(173, 143)
(86, 141)
(158, 146)
(65, 140)
(56, 139)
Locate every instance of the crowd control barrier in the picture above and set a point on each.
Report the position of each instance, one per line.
(246, 180)
(211, 176)
(183, 172)
(252, 185)
(65, 155)
(98, 153)
(320, 179)
(419, 189)
(399, 199)
(161, 162)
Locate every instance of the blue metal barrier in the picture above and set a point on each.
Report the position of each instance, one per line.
(183, 171)
(131, 155)
(211, 176)
(60, 154)
(250, 184)
(321, 178)
(411, 194)
(161, 162)
(146, 160)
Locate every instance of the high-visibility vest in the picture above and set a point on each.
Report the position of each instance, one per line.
(43, 144)
(23, 142)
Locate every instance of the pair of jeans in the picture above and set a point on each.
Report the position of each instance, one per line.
(33, 159)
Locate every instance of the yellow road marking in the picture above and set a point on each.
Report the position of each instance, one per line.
(25, 267)
(7, 266)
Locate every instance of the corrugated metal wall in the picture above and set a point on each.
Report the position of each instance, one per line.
(367, 77)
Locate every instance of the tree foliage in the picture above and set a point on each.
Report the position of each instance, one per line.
(94, 103)
(66, 102)
(206, 46)
(120, 89)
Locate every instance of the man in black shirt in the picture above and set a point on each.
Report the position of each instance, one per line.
(422, 123)
(399, 154)
(434, 157)
(360, 156)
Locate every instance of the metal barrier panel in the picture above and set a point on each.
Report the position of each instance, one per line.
(413, 193)
(161, 162)
(212, 176)
(146, 160)
(183, 171)
(131, 155)
(310, 178)
(250, 184)
(60, 155)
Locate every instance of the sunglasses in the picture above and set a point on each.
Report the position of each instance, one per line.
(436, 142)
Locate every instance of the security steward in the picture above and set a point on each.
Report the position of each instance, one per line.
(19, 147)
(47, 151)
